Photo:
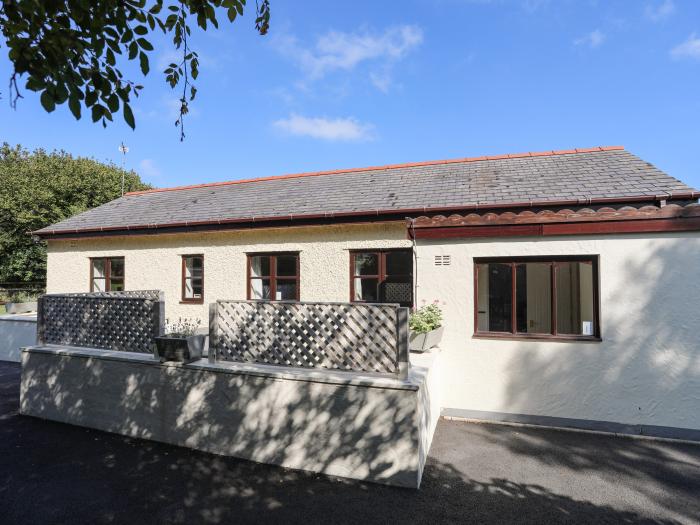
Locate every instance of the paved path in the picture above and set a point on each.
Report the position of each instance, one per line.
(55, 473)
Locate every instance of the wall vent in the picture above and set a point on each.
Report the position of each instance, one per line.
(442, 260)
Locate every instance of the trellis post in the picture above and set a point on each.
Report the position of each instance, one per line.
(40, 324)
(213, 331)
(402, 341)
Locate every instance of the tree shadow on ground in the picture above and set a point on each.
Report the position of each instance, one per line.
(646, 372)
(56, 473)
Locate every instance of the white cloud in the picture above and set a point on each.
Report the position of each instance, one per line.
(660, 11)
(333, 130)
(340, 51)
(688, 49)
(148, 169)
(593, 39)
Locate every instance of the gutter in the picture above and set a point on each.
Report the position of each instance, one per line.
(580, 201)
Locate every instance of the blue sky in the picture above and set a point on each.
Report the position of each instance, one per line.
(350, 84)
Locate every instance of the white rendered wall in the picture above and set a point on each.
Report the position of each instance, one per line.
(154, 262)
(646, 370)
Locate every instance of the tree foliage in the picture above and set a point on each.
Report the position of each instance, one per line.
(72, 51)
(38, 189)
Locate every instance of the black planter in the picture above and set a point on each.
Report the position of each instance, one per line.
(183, 349)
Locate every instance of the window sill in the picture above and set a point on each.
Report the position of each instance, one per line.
(539, 337)
(192, 301)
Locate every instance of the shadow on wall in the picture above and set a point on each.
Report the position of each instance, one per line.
(646, 372)
(349, 431)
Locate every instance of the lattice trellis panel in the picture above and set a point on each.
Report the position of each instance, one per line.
(353, 337)
(109, 320)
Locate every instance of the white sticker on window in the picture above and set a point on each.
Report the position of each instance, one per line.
(587, 327)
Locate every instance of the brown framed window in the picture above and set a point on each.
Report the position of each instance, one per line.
(381, 276)
(193, 278)
(273, 276)
(555, 297)
(106, 274)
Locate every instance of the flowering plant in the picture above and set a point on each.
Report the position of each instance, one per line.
(426, 318)
(182, 327)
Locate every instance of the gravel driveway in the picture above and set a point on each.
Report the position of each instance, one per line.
(55, 473)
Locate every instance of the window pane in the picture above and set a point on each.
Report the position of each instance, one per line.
(260, 266)
(286, 290)
(98, 285)
(494, 299)
(197, 287)
(366, 290)
(397, 290)
(193, 267)
(98, 268)
(366, 264)
(260, 289)
(116, 285)
(533, 293)
(116, 267)
(399, 263)
(287, 265)
(575, 298)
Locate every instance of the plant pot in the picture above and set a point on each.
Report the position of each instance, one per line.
(420, 342)
(183, 349)
(20, 308)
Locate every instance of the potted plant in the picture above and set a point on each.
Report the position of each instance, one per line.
(426, 327)
(21, 303)
(181, 342)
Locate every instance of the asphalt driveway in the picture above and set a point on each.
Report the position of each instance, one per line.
(55, 473)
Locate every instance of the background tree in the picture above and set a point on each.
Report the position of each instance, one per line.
(39, 188)
(72, 50)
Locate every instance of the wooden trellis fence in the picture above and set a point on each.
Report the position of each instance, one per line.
(339, 336)
(125, 321)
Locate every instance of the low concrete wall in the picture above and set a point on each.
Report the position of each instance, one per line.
(342, 424)
(16, 331)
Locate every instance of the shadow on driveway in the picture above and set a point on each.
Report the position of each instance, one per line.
(56, 473)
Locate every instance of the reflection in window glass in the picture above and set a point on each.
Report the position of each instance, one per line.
(260, 266)
(286, 290)
(286, 265)
(533, 307)
(116, 267)
(193, 278)
(366, 264)
(107, 274)
(260, 289)
(399, 262)
(98, 268)
(366, 290)
(575, 302)
(274, 277)
(495, 297)
(384, 276)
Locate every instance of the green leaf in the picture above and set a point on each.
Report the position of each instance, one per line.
(113, 102)
(129, 116)
(145, 44)
(133, 50)
(90, 98)
(34, 84)
(97, 112)
(143, 59)
(74, 105)
(141, 30)
(47, 101)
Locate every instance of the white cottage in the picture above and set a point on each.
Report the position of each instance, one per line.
(569, 280)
